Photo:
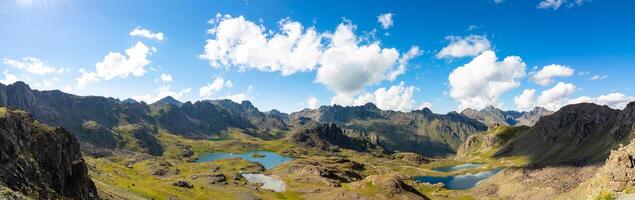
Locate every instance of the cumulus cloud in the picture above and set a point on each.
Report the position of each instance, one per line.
(471, 45)
(345, 63)
(166, 77)
(162, 92)
(556, 4)
(9, 78)
(547, 73)
(480, 82)
(397, 97)
(347, 66)
(117, 65)
(613, 100)
(556, 97)
(385, 20)
(239, 42)
(312, 102)
(33, 65)
(142, 32)
(526, 100)
(216, 86)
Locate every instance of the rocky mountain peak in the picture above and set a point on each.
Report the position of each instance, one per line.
(370, 106)
(168, 100)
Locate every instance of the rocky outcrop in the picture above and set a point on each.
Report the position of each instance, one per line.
(390, 186)
(329, 171)
(619, 170)
(414, 158)
(329, 137)
(39, 161)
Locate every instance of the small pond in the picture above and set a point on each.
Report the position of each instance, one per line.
(456, 167)
(268, 159)
(459, 182)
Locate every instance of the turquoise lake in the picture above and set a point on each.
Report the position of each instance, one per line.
(459, 182)
(270, 160)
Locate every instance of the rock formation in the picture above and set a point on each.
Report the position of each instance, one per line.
(39, 161)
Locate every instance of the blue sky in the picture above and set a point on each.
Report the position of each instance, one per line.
(437, 54)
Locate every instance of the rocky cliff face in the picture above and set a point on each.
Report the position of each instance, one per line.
(418, 131)
(618, 172)
(329, 137)
(39, 161)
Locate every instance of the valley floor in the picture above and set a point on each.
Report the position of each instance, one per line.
(176, 175)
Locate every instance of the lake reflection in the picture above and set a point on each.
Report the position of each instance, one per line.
(459, 182)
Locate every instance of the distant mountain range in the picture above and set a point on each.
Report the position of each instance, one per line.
(494, 116)
(109, 123)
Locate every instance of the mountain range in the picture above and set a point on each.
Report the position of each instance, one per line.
(108, 123)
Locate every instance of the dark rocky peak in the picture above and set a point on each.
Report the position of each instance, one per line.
(168, 100)
(577, 122)
(129, 101)
(370, 106)
(426, 111)
(330, 137)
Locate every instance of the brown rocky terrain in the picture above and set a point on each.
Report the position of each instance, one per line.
(39, 161)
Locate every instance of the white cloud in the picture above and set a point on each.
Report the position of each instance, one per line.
(239, 97)
(598, 77)
(556, 97)
(33, 65)
(242, 43)
(347, 66)
(550, 4)
(471, 45)
(162, 92)
(345, 62)
(526, 100)
(556, 4)
(9, 78)
(545, 76)
(613, 100)
(216, 86)
(480, 82)
(117, 65)
(397, 97)
(425, 105)
(385, 20)
(146, 34)
(166, 77)
(312, 102)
